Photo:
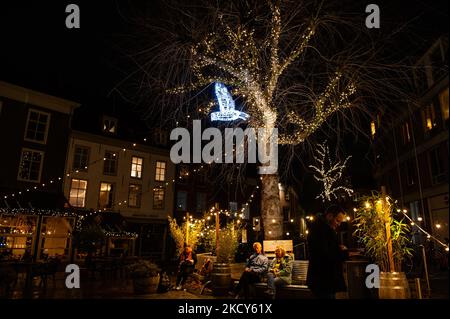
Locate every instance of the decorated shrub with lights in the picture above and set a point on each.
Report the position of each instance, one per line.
(228, 242)
(189, 232)
(383, 231)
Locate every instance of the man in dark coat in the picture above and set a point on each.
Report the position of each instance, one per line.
(325, 269)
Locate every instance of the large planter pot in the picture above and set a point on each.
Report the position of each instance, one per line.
(221, 278)
(145, 285)
(393, 285)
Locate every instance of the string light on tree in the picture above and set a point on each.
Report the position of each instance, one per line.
(329, 174)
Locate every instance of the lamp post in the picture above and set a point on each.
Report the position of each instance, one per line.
(187, 228)
(217, 226)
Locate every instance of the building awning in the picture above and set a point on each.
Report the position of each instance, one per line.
(113, 225)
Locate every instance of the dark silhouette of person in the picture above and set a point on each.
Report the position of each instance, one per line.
(186, 266)
(325, 269)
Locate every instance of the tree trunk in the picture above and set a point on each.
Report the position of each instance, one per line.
(270, 207)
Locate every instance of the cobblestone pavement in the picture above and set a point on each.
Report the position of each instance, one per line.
(122, 288)
(101, 289)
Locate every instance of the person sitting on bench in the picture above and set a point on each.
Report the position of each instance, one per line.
(255, 267)
(280, 272)
(188, 259)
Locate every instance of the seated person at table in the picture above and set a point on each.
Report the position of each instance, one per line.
(280, 271)
(186, 266)
(255, 267)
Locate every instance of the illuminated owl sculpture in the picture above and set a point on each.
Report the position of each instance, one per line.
(226, 105)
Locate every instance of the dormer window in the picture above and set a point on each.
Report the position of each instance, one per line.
(160, 137)
(109, 125)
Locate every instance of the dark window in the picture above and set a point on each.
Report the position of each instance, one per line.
(443, 99)
(110, 163)
(411, 172)
(437, 166)
(30, 165)
(201, 202)
(109, 125)
(134, 195)
(81, 158)
(37, 126)
(182, 201)
(421, 79)
(184, 174)
(437, 63)
(158, 198)
(286, 213)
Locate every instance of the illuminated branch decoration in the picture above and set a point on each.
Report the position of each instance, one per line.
(329, 174)
(234, 56)
(290, 65)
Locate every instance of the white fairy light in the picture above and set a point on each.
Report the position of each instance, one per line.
(329, 174)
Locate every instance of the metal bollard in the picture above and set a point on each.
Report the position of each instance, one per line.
(418, 288)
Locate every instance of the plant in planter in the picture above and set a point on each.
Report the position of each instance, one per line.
(226, 250)
(145, 275)
(385, 237)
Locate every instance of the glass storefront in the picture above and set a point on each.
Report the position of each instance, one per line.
(18, 236)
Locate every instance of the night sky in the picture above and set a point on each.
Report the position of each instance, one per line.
(37, 51)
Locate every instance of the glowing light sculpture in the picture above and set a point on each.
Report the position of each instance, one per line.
(226, 105)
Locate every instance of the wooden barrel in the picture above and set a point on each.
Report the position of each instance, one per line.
(393, 285)
(221, 278)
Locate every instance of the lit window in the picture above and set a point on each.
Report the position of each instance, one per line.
(443, 98)
(136, 167)
(105, 199)
(80, 158)
(429, 118)
(77, 196)
(160, 175)
(110, 163)
(373, 129)
(37, 126)
(30, 165)
(158, 198)
(134, 195)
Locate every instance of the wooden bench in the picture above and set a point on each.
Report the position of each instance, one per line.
(296, 290)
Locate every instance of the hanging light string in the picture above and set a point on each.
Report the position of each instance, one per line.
(429, 236)
(51, 181)
(213, 211)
